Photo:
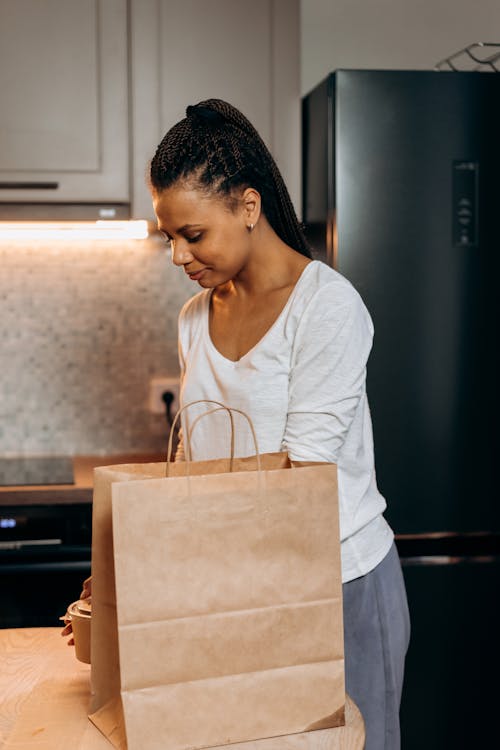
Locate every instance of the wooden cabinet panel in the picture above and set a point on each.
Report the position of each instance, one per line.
(64, 101)
(183, 52)
(220, 49)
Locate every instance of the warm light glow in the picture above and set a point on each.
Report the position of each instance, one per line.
(74, 230)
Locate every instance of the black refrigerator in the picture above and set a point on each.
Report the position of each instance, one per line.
(401, 194)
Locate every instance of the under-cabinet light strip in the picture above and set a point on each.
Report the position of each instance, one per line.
(74, 230)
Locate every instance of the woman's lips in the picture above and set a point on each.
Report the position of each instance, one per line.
(195, 275)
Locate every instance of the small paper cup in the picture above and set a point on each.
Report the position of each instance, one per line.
(80, 615)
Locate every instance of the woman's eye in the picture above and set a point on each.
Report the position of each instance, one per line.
(196, 238)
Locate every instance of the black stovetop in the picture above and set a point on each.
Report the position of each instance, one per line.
(21, 470)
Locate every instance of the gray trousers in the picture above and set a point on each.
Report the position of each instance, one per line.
(376, 636)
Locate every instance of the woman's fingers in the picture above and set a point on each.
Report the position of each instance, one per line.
(86, 593)
(67, 629)
(87, 588)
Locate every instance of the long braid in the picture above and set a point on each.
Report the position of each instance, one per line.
(218, 148)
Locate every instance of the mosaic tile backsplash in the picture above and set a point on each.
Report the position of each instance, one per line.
(84, 326)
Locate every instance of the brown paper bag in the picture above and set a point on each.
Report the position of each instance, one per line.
(228, 610)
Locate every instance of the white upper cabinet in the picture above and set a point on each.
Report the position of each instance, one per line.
(64, 89)
(184, 51)
(63, 101)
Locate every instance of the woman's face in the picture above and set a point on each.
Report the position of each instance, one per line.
(209, 238)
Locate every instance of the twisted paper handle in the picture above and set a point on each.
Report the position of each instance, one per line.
(219, 407)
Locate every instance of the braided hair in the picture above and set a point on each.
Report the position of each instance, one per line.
(218, 149)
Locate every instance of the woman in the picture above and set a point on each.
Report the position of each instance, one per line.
(286, 339)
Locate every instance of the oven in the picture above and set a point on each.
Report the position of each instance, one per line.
(45, 542)
(44, 557)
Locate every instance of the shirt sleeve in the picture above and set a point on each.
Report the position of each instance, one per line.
(328, 373)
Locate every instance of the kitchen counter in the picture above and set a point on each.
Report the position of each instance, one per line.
(45, 693)
(80, 491)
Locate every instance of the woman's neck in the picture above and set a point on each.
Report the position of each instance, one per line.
(272, 265)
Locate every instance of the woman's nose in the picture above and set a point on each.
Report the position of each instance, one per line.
(181, 253)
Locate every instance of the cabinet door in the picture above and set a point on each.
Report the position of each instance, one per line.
(183, 52)
(63, 94)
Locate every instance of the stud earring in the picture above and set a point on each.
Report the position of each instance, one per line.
(250, 227)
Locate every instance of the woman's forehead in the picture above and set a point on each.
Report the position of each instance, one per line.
(183, 204)
(181, 197)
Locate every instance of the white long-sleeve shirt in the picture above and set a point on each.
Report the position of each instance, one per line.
(303, 385)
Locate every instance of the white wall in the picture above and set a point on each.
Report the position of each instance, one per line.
(399, 34)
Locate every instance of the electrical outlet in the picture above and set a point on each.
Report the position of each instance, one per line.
(157, 387)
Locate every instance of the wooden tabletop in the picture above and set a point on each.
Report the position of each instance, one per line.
(45, 691)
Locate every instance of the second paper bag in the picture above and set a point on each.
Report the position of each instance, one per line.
(229, 606)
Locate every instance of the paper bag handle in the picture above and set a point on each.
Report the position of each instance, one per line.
(205, 414)
(219, 406)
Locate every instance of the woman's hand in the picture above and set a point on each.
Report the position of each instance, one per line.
(86, 594)
(87, 588)
(67, 630)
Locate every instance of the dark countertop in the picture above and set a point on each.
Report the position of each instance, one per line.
(80, 491)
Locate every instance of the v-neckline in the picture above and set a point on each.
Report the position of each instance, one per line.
(265, 334)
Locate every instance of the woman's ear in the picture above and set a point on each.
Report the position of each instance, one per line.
(252, 205)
